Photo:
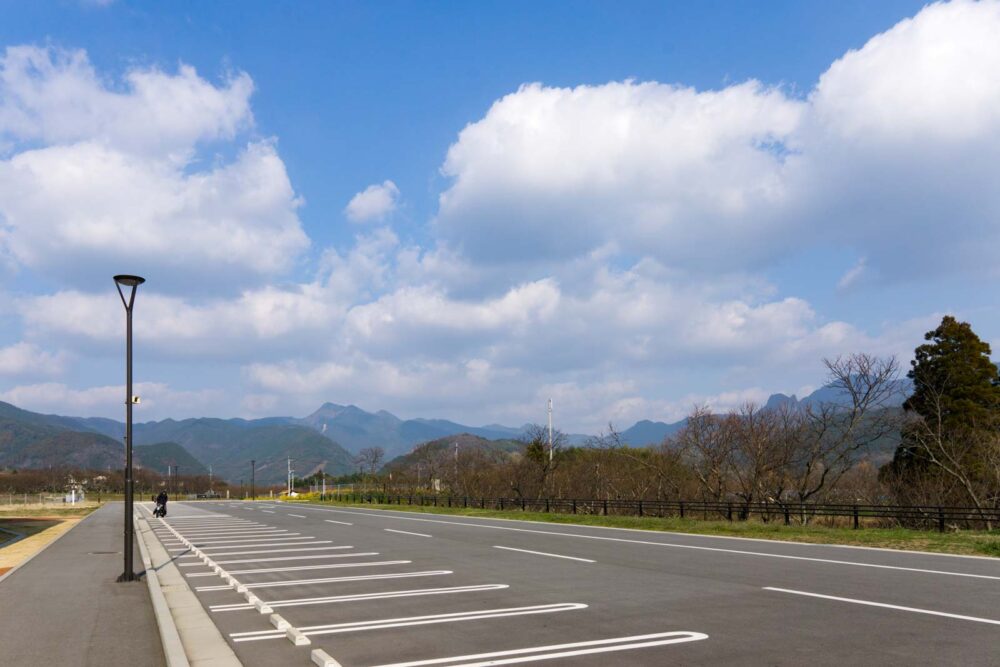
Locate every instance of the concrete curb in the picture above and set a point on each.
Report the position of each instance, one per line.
(29, 558)
(202, 643)
(173, 649)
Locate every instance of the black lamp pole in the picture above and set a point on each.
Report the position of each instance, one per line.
(253, 491)
(132, 282)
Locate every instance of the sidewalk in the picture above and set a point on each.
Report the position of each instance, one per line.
(64, 607)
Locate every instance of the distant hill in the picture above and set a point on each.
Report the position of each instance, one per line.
(162, 454)
(442, 447)
(32, 443)
(356, 429)
(228, 445)
(646, 432)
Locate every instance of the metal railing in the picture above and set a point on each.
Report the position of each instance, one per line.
(856, 515)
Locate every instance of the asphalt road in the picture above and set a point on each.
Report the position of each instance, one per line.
(380, 588)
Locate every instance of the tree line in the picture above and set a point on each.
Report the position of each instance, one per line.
(942, 447)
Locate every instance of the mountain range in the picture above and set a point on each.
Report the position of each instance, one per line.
(328, 439)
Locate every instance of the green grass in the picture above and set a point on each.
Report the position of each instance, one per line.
(976, 543)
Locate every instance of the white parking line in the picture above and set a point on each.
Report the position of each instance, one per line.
(272, 551)
(672, 545)
(283, 558)
(307, 567)
(868, 603)
(411, 620)
(406, 532)
(360, 597)
(268, 512)
(343, 523)
(272, 539)
(560, 650)
(330, 580)
(295, 541)
(298, 516)
(542, 553)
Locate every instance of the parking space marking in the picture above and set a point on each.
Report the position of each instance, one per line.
(268, 511)
(361, 597)
(308, 567)
(310, 541)
(869, 603)
(219, 539)
(298, 516)
(273, 551)
(455, 617)
(343, 523)
(561, 650)
(331, 580)
(273, 539)
(406, 532)
(542, 553)
(270, 560)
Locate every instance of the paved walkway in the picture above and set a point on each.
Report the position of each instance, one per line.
(64, 607)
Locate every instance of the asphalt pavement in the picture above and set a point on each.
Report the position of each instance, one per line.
(64, 607)
(385, 588)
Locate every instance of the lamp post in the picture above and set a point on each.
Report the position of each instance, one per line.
(133, 283)
(253, 469)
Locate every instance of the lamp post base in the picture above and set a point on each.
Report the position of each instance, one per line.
(127, 576)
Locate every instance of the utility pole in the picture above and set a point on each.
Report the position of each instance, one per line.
(456, 462)
(210, 478)
(253, 491)
(550, 430)
(322, 474)
(290, 475)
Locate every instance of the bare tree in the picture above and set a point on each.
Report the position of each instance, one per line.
(842, 433)
(370, 459)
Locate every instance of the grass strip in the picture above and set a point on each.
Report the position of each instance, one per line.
(969, 543)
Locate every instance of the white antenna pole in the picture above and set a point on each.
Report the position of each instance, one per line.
(456, 461)
(550, 430)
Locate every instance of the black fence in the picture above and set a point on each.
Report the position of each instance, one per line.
(856, 515)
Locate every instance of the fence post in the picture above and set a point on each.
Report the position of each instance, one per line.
(605, 507)
(523, 504)
(729, 511)
(501, 503)
(682, 508)
(640, 508)
(574, 506)
(546, 505)
(857, 523)
(482, 503)
(788, 519)
(940, 519)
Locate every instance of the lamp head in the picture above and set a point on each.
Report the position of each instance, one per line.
(129, 281)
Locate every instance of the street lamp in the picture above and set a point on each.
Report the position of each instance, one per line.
(133, 283)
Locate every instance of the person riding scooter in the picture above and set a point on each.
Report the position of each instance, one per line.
(161, 505)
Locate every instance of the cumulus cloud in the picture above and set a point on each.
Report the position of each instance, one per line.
(158, 399)
(100, 177)
(27, 359)
(891, 155)
(373, 204)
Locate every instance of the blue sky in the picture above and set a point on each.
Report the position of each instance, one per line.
(631, 207)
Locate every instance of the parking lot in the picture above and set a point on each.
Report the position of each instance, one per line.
(389, 589)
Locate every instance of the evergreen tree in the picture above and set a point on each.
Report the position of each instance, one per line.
(949, 451)
(953, 377)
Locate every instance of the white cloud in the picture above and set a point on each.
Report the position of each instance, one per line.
(99, 177)
(373, 203)
(891, 155)
(853, 275)
(158, 400)
(27, 359)
(56, 97)
(556, 172)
